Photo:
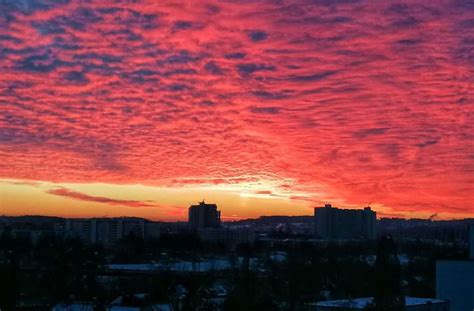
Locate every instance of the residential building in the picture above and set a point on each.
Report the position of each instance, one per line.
(204, 215)
(335, 223)
(110, 230)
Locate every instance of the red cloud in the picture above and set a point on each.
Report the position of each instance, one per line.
(350, 100)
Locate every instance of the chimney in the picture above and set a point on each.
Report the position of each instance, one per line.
(471, 241)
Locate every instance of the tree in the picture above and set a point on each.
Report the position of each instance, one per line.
(8, 272)
(388, 290)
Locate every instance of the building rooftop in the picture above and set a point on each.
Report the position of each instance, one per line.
(363, 302)
(203, 203)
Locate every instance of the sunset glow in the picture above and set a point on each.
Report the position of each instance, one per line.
(124, 108)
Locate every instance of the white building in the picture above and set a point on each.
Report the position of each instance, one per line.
(411, 304)
(455, 279)
(74, 307)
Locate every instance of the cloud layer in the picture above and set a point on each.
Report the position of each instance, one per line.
(355, 101)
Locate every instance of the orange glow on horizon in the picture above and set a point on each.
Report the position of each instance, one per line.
(158, 203)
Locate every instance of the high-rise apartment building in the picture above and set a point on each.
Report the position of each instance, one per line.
(335, 223)
(204, 215)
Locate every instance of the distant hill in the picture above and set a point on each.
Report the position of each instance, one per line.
(276, 220)
(447, 230)
(30, 218)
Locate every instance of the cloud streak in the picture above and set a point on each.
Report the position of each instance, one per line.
(88, 198)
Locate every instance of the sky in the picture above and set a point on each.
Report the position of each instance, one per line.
(265, 107)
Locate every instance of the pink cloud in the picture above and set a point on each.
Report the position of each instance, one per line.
(359, 101)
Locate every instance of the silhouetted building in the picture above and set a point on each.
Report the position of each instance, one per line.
(335, 223)
(204, 215)
(411, 304)
(455, 279)
(110, 230)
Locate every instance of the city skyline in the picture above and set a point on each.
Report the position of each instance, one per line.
(262, 107)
